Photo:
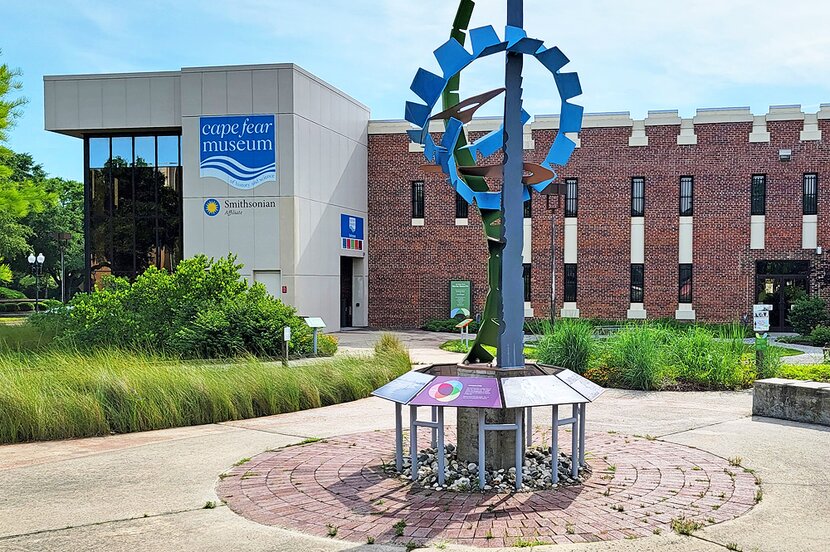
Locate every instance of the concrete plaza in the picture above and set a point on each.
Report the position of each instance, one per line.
(148, 491)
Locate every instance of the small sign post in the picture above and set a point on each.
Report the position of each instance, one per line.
(461, 298)
(315, 323)
(286, 337)
(760, 323)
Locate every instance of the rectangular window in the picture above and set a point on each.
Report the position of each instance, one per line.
(462, 208)
(418, 200)
(810, 194)
(526, 278)
(686, 196)
(638, 196)
(571, 196)
(528, 208)
(759, 194)
(637, 277)
(570, 283)
(684, 284)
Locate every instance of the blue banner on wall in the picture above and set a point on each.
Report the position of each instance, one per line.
(240, 150)
(351, 232)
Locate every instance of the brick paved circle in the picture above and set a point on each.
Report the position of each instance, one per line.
(638, 486)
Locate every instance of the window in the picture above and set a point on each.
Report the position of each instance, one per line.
(570, 283)
(462, 208)
(526, 278)
(528, 208)
(759, 194)
(134, 186)
(684, 284)
(686, 196)
(638, 196)
(810, 194)
(571, 192)
(418, 200)
(636, 291)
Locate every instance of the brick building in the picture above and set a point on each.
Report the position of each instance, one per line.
(693, 219)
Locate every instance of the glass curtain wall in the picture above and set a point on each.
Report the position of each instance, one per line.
(134, 204)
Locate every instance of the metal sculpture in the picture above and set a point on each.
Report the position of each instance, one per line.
(501, 211)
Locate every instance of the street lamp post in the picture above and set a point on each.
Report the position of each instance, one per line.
(37, 270)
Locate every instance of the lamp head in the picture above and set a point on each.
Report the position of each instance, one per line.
(31, 258)
(40, 258)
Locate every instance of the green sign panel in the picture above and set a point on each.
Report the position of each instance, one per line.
(461, 298)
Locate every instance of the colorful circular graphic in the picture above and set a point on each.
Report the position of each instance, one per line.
(446, 391)
(212, 207)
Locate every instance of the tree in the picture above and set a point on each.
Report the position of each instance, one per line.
(9, 107)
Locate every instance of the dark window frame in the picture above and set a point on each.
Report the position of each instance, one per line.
(685, 272)
(417, 191)
(571, 199)
(686, 204)
(636, 291)
(809, 201)
(758, 194)
(528, 208)
(638, 197)
(571, 282)
(462, 208)
(527, 269)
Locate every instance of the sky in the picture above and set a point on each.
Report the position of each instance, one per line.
(631, 55)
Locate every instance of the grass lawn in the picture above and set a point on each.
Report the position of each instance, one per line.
(457, 346)
(58, 394)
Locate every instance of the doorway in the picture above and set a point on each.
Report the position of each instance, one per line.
(346, 271)
(780, 283)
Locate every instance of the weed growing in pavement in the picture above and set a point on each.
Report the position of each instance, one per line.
(759, 496)
(656, 530)
(399, 527)
(209, 505)
(684, 526)
(569, 528)
(734, 547)
(331, 530)
(735, 461)
(488, 535)
(412, 545)
(243, 461)
(370, 540)
(521, 543)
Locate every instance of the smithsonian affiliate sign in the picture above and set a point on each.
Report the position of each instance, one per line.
(240, 149)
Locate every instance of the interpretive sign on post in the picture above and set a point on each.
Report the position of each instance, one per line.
(538, 391)
(458, 391)
(461, 301)
(583, 386)
(760, 317)
(402, 390)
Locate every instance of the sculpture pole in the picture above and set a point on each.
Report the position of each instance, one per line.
(510, 353)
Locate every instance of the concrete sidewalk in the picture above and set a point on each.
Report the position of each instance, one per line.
(147, 491)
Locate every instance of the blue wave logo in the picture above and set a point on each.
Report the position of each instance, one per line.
(239, 150)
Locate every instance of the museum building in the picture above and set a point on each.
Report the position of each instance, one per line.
(667, 217)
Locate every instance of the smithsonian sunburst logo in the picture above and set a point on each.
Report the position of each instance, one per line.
(212, 207)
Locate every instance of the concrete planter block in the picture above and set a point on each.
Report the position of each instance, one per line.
(799, 401)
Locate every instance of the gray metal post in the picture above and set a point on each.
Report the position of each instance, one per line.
(554, 446)
(510, 353)
(398, 437)
(434, 430)
(582, 435)
(314, 341)
(481, 421)
(575, 442)
(441, 459)
(529, 426)
(520, 451)
(413, 442)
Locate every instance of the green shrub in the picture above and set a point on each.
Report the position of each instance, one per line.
(203, 309)
(807, 372)
(636, 355)
(820, 336)
(10, 307)
(25, 307)
(806, 313)
(771, 368)
(568, 345)
(704, 361)
(326, 345)
(48, 304)
(6, 293)
(448, 325)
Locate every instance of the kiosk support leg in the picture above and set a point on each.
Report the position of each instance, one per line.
(398, 437)
(481, 421)
(413, 442)
(582, 435)
(575, 442)
(520, 451)
(529, 426)
(440, 451)
(554, 446)
(434, 430)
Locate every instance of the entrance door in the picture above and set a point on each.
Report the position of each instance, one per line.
(346, 292)
(780, 283)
